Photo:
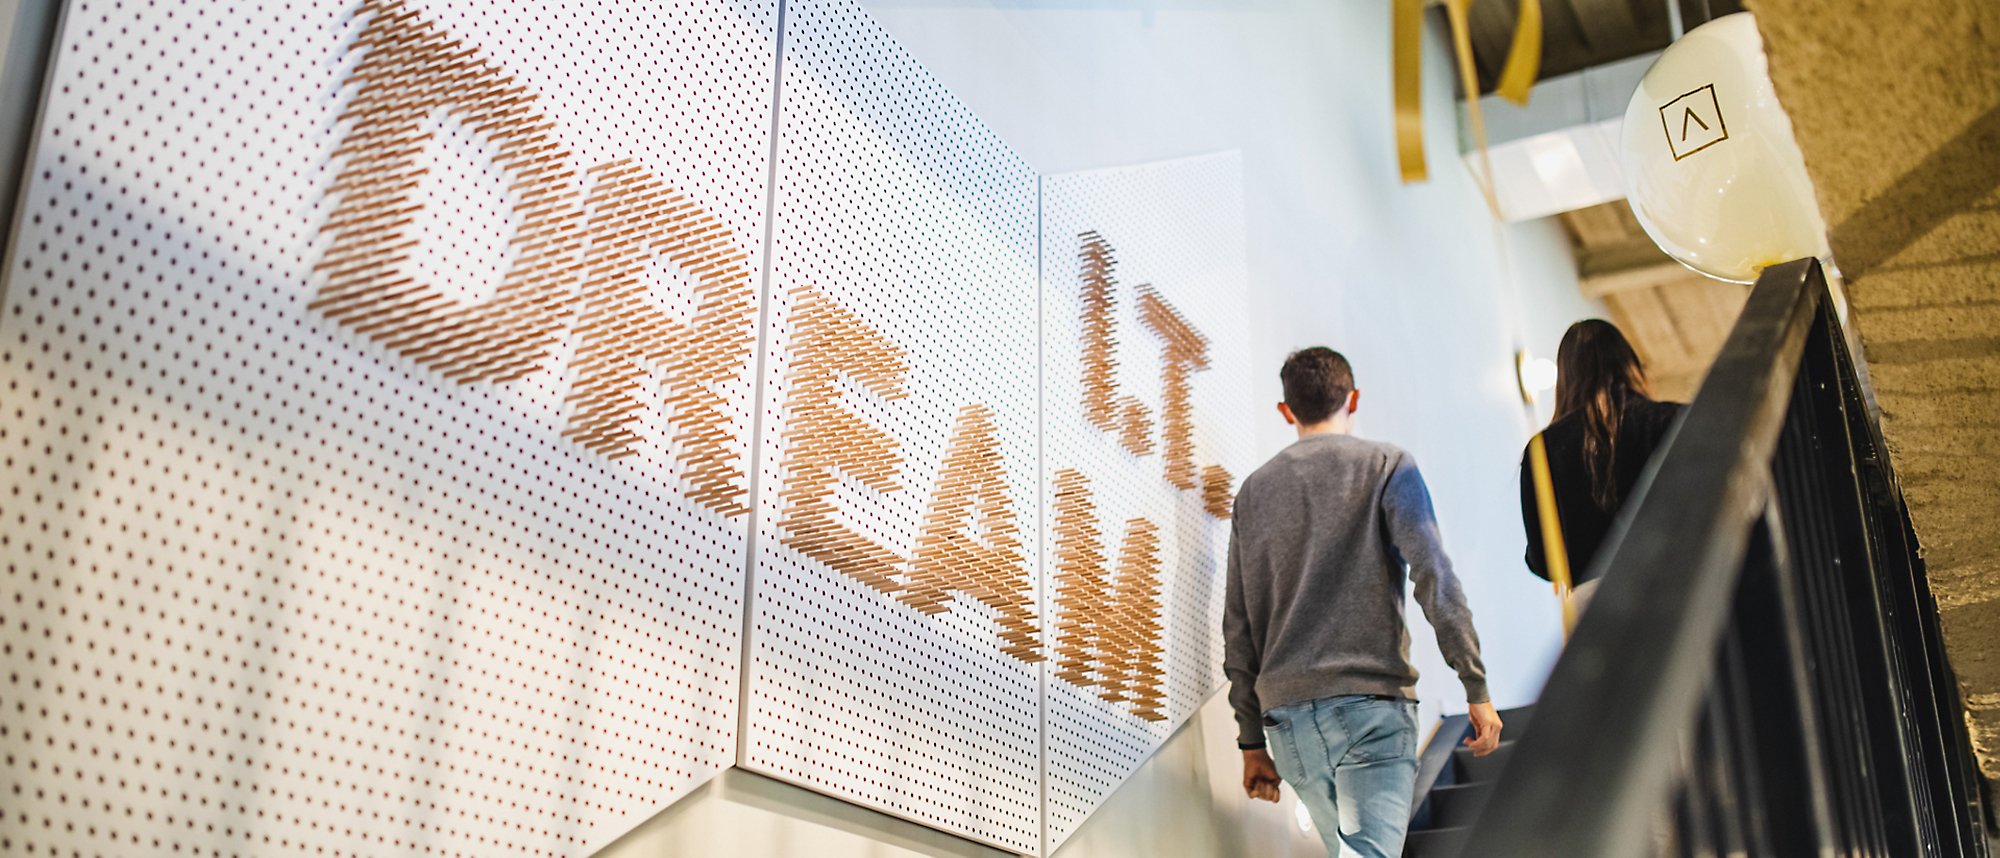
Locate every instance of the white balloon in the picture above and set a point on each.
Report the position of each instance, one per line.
(1711, 168)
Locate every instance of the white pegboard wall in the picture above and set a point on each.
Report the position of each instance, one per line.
(274, 580)
(1125, 494)
(896, 608)
(378, 414)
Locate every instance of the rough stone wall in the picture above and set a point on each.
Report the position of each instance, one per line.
(1897, 107)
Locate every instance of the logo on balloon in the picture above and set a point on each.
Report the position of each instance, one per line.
(1693, 122)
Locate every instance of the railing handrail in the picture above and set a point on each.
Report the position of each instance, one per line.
(1635, 673)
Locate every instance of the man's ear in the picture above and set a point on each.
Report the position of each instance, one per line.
(1353, 401)
(1286, 411)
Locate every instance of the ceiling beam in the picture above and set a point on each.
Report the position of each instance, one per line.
(1627, 265)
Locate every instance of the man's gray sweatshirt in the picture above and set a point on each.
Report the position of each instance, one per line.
(1321, 536)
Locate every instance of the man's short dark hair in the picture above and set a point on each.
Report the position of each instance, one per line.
(1317, 381)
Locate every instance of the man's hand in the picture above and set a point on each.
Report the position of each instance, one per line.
(1485, 729)
(1260, 775)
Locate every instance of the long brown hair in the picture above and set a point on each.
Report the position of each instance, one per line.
(1597, 373)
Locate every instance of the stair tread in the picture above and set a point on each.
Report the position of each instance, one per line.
(1443, 816)
(1435, 843)
(1477, 769)
(1457, 805)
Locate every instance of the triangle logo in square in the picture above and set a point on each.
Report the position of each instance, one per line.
(1693, 122)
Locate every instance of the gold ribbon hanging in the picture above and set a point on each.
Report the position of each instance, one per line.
(1554, 552)
(1524, 57)
(1408, 33)
(1459, 13)
(1517, 77)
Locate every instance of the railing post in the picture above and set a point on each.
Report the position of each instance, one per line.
(1789, 720)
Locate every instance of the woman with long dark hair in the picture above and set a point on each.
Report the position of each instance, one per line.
(1605, 429)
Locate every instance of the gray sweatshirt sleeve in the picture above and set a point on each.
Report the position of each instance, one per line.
(1413, 531)
(1240, 659)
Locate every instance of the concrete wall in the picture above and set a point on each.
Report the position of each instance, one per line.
(1417, 284)
(1898, 114)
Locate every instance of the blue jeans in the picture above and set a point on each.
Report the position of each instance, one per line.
(1353, 761)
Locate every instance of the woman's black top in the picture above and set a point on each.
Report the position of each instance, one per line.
(1640, 429)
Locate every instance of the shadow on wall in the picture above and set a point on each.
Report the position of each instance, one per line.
(1184, 802)
(744, 813)
(905, 133)
(1956, 177)
(215, 504)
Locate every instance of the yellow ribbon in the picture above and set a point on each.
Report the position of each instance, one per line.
(1524, 57)
(1517, 77)
(1408, 35)
(1553, 551)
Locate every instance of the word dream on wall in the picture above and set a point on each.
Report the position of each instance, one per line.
(509, 495)
(578, 271)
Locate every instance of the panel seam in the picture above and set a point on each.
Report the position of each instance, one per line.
(1042, 495)
(749, 618)
(13, 210)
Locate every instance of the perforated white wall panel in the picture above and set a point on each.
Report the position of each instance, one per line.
(381, 383)
(1143, 294)
(376, 422)
(896, 598)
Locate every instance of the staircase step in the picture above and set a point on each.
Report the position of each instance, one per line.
(1473, 770)
(1438, 843)
(1457, 805)
(1458, 791)
(1514, 722)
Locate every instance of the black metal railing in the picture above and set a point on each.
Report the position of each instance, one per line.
(1760, 672)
